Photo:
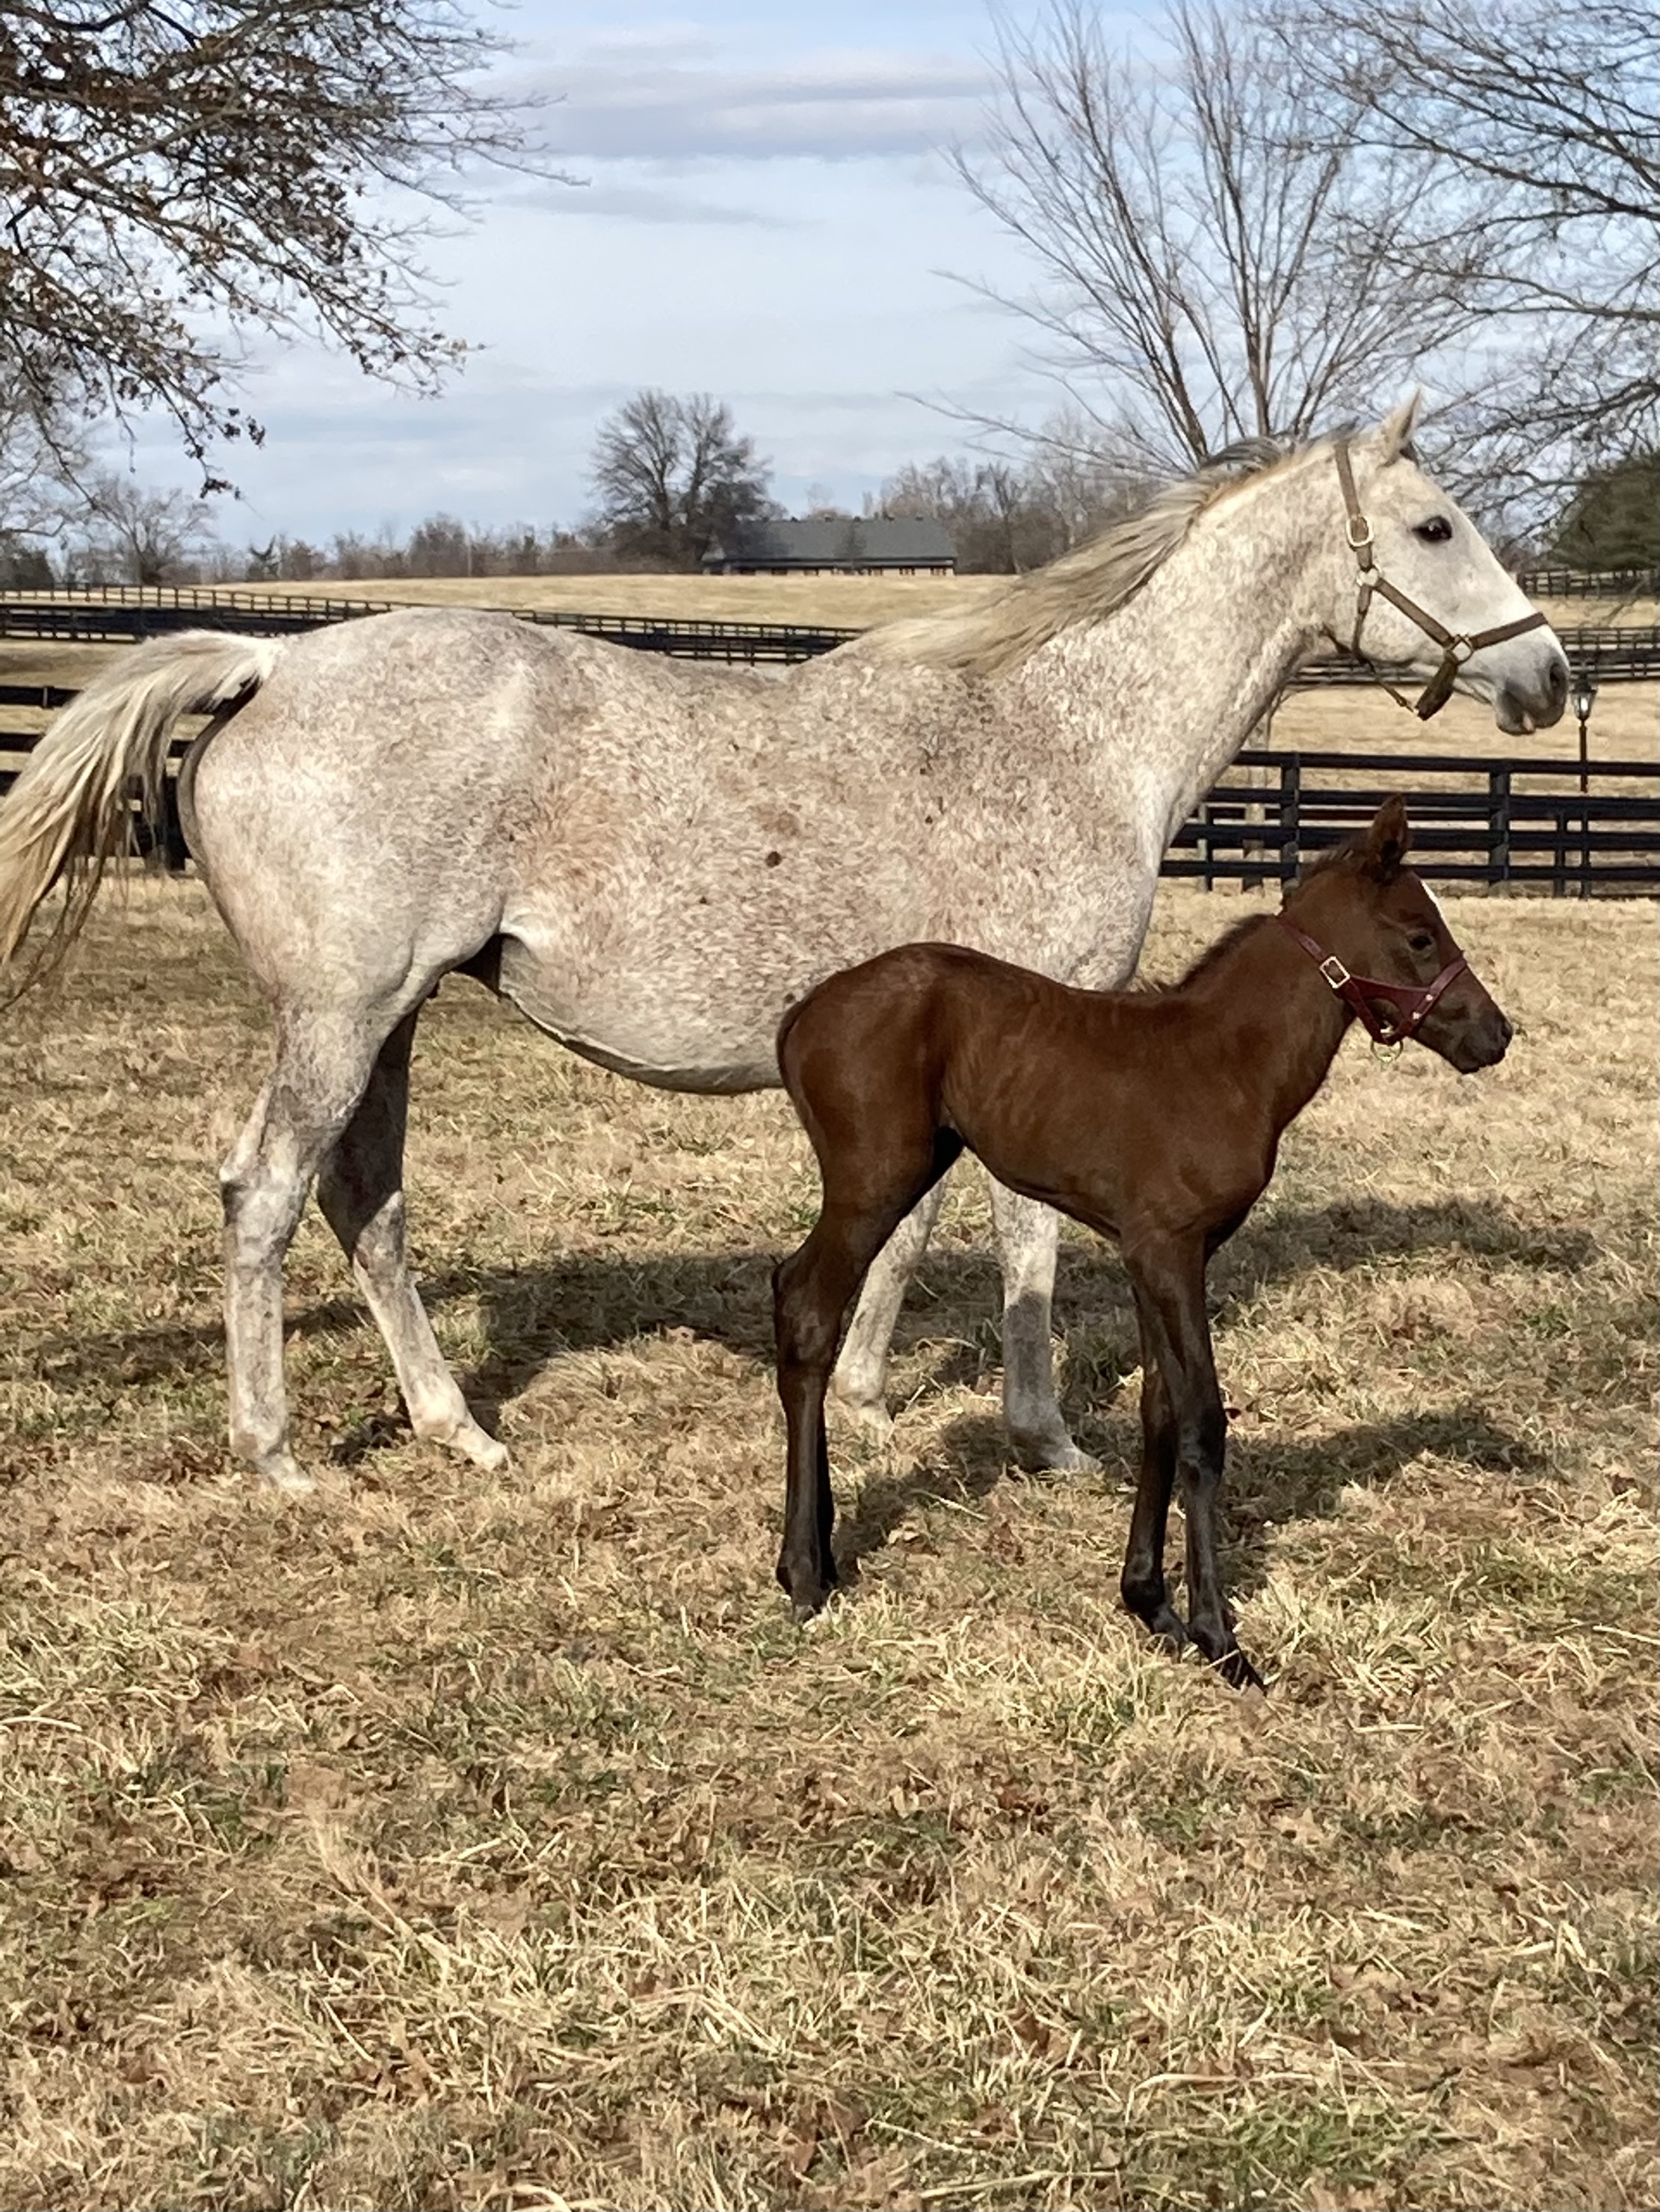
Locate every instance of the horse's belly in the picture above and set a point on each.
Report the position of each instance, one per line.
(660, 1036)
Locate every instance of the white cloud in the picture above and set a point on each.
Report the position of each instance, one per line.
(832, 106)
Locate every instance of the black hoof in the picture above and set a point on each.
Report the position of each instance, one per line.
(807, 1594)
(1237, 1671)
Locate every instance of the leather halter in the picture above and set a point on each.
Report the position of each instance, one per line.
(1413, 1000)
(1457, 646)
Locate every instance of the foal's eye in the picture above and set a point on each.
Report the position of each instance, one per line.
(1421, 941)
(1435, 531)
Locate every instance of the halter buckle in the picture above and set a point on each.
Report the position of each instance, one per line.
(1334, 971)
(1362, 543)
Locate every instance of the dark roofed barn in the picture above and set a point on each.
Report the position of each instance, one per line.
(846, 545)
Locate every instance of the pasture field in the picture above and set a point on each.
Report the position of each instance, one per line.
(495, 1843)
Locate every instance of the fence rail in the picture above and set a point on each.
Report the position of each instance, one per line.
(1609, 654)
(1507, 824)
(1591, 583)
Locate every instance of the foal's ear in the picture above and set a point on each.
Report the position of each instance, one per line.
(1388, 841)
(1395, 437)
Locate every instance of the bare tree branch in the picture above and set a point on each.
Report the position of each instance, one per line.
(176, 180)
(1187, 252)
(1525, 137)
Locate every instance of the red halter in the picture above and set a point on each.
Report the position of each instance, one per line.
(1413, 1000)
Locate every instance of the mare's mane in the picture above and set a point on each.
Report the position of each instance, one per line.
(1082, 586)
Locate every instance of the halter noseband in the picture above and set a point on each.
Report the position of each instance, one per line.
(1456, 648)
(1413, 1001)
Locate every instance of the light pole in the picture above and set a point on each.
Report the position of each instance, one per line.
(1584, 698)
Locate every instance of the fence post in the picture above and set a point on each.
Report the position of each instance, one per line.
(1498, 826)
(1585, 847)
(1290, 792)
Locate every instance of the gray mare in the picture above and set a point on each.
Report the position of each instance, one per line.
(654, 859)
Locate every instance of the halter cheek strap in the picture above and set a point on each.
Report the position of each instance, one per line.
(1457, 646)
(1412, 1000)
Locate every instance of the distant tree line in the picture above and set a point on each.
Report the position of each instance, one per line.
(671, 474)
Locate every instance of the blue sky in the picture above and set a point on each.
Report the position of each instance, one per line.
(765, 216)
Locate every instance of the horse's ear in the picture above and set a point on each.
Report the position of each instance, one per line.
(1395, 436)
(1388, 841)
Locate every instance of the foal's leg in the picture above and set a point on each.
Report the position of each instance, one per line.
(1142, 1584)
(811, 1292)
(1171, 1283)
(857, 1385)
(1028, 1239)
(322, 1063)
(360, 1191)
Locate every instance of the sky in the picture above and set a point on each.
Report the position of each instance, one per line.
(764, 214)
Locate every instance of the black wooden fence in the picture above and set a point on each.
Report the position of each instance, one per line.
(1512, 825)
(1591, 583)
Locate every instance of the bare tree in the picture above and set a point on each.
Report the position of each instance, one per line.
(140, 535)
(39, 445)
(173, 171)
(1185, 241)
(1526, 142)
(672, 474)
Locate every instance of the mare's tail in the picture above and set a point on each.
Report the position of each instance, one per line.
(68, 811)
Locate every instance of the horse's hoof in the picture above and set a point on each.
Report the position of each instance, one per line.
(1237, 1671)
(868, 1417)
(469, 1442)
(1051, 1455)
(282, 1473)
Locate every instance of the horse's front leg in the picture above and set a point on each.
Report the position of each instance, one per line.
(1170, 1294)
(1028, 1241)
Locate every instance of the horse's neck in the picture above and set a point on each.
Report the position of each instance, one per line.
(1163, 692)
(1271, 1016)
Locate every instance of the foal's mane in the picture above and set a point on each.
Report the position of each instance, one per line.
(1215, 953)
(1082, 586)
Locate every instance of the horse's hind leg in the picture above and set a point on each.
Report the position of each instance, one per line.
(1028, 1240)
(322, 1067)
(858, 1383)
(360, 1190)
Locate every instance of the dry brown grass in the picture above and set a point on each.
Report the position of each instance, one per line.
(497, 1843)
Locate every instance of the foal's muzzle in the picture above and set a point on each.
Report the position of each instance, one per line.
(1477, 1040)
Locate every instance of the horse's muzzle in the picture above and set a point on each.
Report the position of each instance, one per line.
(1519, 707)
(1481, 1042)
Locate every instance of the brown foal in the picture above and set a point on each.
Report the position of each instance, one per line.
(1154, 1117)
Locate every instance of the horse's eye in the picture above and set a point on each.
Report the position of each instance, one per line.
(1421, 941)
(1435, 531)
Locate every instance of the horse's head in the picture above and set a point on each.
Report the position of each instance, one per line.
(1417, 584)
(1383, 944)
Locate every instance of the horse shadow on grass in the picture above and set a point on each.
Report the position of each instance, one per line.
(1270, 1481)
(531, 1315)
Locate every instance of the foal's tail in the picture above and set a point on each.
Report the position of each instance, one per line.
(68, 810)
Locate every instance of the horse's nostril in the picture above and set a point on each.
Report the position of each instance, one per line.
(1558, 682)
